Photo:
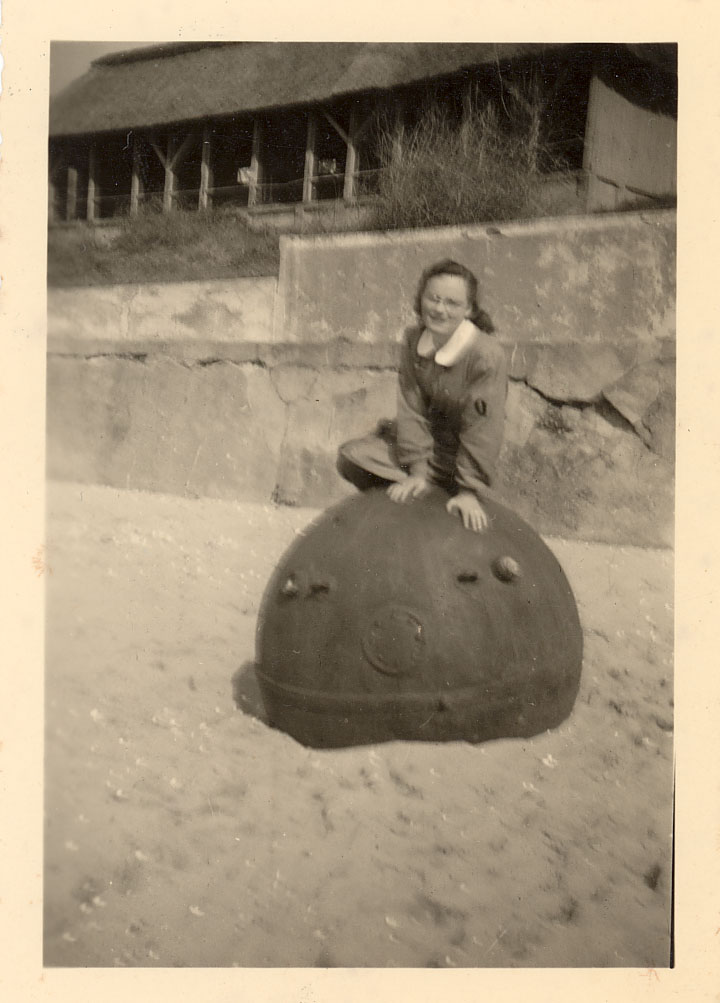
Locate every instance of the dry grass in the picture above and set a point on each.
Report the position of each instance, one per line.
(489, 165)
(157, 247)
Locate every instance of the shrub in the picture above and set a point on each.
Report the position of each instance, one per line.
(486, 166)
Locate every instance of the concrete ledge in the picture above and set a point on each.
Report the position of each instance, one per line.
(562, 370)
(336, 354)
(224, 311)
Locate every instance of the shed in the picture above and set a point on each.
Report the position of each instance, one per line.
(267, 127)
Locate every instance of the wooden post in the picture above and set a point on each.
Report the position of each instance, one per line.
(71, 199)
(169, 177)
(255, 163)
(351, 138)
(593, 185)
(309, 173)
(205, 196)
(352, 160)
(52, 194)
(90, 212)
(135, 181)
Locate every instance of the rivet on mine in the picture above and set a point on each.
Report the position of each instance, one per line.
(506, 569)
(290, 587)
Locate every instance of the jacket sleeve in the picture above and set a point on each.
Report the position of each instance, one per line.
(414, 438)
(482, 422)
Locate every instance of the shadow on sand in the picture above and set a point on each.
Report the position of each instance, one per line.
(246, 692)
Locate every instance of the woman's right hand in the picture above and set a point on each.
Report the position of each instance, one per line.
(409, 488)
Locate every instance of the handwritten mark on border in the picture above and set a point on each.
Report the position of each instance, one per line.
(39, 562)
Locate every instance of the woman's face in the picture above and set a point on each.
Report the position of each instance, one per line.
(444, 303)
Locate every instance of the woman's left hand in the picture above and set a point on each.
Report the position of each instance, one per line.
(471, 511)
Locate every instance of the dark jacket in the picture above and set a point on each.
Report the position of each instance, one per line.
(451, 418)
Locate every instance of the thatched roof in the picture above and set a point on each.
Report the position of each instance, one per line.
(173, 83)
(165, 84)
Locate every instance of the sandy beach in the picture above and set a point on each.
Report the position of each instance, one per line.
(182, 831)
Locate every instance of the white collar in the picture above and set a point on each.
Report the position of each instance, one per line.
(453, 349)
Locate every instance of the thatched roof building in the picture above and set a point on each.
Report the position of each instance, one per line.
(169, 84)
(259, 124)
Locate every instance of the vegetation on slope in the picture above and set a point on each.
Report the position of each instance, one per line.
(160, 247)
(484, 165)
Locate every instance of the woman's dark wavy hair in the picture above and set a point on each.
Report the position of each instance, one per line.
(449, 267)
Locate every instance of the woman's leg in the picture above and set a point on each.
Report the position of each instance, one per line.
(362, 479)
(370, 462)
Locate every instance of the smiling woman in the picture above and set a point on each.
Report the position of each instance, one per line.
(451, 403)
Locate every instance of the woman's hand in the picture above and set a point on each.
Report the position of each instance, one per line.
(409, 488)
(471, 511)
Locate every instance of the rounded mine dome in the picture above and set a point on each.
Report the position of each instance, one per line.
(387, 621)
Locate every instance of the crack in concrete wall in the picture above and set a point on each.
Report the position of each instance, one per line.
(140, 357)
(601, 407)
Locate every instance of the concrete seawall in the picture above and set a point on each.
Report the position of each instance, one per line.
(584, 279)
(224, 311)
(245, 388)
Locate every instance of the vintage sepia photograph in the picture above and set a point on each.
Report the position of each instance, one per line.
(360, 498)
